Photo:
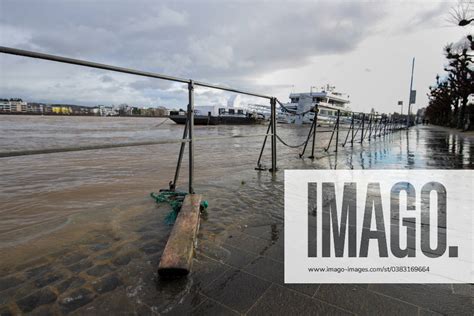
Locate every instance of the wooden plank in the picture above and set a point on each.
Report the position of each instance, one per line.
(178, 254)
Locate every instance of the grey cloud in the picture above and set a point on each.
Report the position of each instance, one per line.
(221, 42)
(151, 84)
(106, 78)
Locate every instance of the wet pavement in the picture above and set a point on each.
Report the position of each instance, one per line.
(80, 235)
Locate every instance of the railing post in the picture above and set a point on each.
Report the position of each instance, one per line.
(315, 124)
(352, 123)
(274, 139)
(337, 130)
(370, 127)
(180, 158)
(362, 131)
(191, 134)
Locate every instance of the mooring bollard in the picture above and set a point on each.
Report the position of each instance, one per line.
(177, 257)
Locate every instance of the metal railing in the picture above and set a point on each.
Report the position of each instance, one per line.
(381, 125)
(188, 134)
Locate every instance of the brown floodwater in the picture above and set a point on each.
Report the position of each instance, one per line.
(61, 210)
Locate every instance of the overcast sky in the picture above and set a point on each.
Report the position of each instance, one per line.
(273, 47)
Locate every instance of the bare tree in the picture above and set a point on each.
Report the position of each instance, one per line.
(462, 14)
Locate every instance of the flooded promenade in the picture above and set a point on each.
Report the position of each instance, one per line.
(80, 234)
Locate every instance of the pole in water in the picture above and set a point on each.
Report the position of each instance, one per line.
(352, 123)
(337, 126)
(315, 124)
(349, 131)
(180, 157)
(411, 89)
(370, 127)
(273, 118)
(259, 165)
(362, 131)
(191, 134)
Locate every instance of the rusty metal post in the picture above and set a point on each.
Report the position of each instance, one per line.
(337, 130)
(362, 131)
(274, 139)
(191, 134)
(259, 165)
(370, 127)
(352, 136)
(180, 158)
(315, 125)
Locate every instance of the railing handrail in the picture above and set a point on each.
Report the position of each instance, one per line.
(79, 62)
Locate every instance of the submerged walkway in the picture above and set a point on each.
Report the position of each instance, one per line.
(107, 258)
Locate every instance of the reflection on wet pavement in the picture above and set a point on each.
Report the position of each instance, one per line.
(79, 233)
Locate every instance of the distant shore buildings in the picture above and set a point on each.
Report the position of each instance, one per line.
(18, 106)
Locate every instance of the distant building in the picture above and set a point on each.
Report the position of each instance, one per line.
(18, 105)
(61, 110)
(107, 111)
(5, 106)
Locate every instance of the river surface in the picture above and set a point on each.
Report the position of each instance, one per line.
(94, 205)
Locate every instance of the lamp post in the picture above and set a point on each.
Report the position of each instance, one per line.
(411, 93)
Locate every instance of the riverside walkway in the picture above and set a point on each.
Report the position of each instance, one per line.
(103, 258)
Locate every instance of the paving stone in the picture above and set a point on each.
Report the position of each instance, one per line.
(149, 236)
(212, 308)
(80, 266)
(275, 252)
(41, 297)
(5, 311)
(247, 243)
(106, 284)
(9, 282)
(99, 270)
(308, 289)
(430, 297)
(212, 250)
(31, 263)
(362, 301)
(75, 299)
(39, 271)
(278, 300)
(238, 258)
(261, 231)
(112, 303)
(45, 310)
(273, 271)
(122, 260)
(186, 305)
(152, 247)
(106, 255)
(425, 312)
(70, 283)
(73, 258)
(237, 289)
(48, 279)
(206, 270)
(267, 269)
(100, 246)
(463, 289)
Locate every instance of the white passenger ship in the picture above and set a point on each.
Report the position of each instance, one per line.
(300, 108)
